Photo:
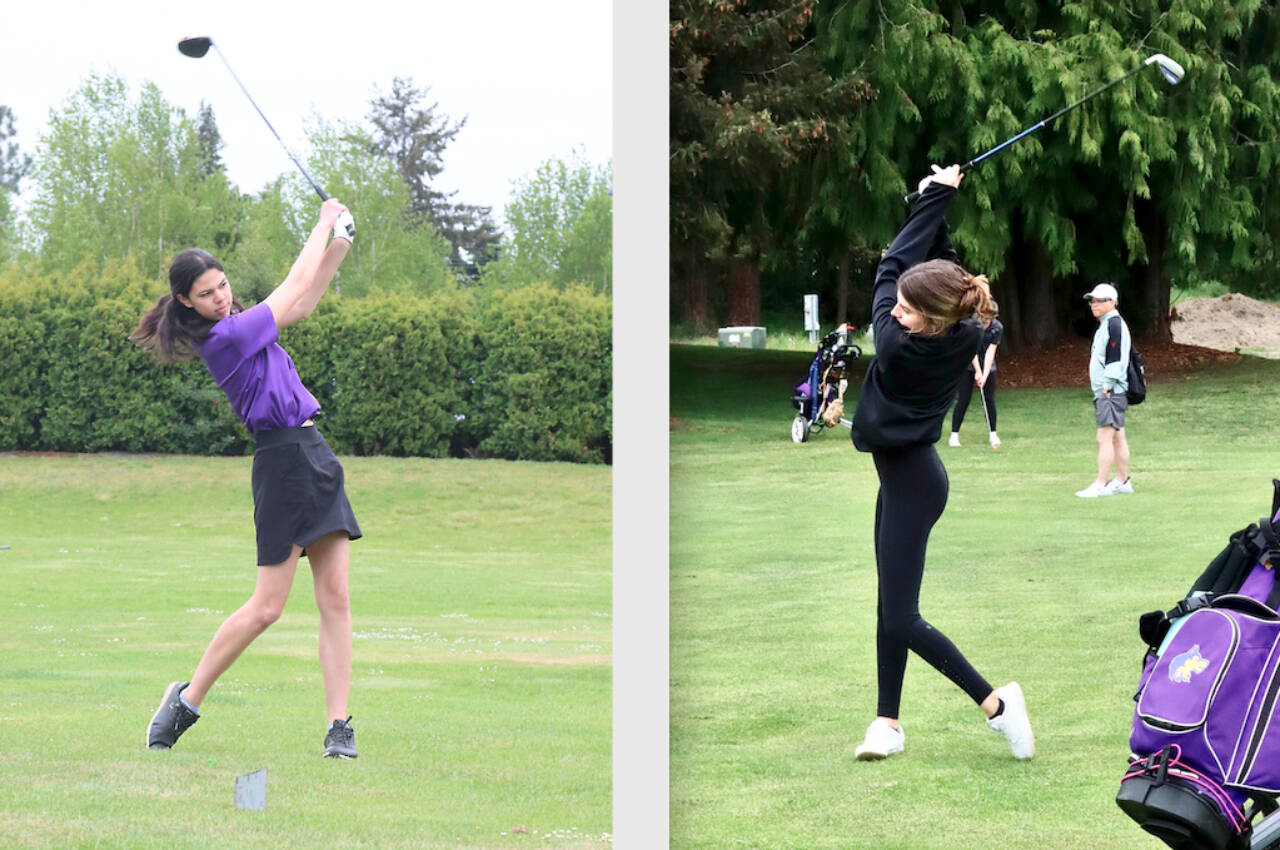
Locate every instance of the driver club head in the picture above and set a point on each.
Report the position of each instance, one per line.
(1172, 70)
(198, 46)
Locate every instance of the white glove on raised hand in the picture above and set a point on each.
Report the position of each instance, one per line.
(925, 181)
(345, 227)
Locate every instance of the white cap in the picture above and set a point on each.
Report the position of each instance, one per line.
(1103, 292)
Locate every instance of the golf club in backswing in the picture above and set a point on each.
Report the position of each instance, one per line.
(1171, 70)
(196, 47)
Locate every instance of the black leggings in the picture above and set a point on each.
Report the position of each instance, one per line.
(965, 392)
(913, 493)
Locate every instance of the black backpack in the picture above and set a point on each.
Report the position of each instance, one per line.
(1137, 392)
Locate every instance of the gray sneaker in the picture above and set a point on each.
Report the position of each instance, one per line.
(171, 719)
(340, 742)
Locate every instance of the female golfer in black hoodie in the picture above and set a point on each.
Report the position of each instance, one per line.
(928, 314)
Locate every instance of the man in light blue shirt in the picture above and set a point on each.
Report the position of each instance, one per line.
(1109, 378)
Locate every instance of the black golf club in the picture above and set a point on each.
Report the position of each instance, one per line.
(1171, 70)
(196, 47)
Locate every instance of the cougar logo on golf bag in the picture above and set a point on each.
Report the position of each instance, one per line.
(1187, 664)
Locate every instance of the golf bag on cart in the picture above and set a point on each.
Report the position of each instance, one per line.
(1206, 724)
(820, 397)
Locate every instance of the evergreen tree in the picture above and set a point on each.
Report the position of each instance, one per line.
(413, 137)
(210, 141)
(14, 165)
(752, 99)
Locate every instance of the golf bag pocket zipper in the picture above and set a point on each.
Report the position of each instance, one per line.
(1177, 696)
(1256, 763)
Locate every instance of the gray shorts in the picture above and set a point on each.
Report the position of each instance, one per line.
(1110, 410)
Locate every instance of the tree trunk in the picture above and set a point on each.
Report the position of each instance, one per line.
(744, 291)
(1150, 311)
(697, 309)
(1006, 295)
(1030, 309)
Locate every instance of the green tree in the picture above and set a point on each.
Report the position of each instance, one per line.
(561, 227)
(395, 249)
(753, 98)
(413, 137)
(210, 141)
(118, 177)
(1144, 184)
(14, 166)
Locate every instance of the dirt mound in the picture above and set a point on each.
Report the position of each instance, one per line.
(1232, 322)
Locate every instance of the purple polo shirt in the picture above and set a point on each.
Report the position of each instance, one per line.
(245, 358)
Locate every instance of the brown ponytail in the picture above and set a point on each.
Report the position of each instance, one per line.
(976, 300)
(944, 293)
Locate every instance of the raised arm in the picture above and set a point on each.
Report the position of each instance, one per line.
(295, 298)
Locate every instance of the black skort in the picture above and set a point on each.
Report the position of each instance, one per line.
(297, 493)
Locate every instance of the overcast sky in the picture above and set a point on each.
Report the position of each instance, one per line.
(533, 79)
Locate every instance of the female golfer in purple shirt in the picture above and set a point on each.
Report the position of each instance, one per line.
(299, 505)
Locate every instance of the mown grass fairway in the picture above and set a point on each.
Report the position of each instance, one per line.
(480, 683)
(773, 592)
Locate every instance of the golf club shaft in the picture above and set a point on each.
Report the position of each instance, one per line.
(1044, 123)
(982, 397)
(313, 183)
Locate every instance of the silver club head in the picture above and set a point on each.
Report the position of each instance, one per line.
(1172, 70)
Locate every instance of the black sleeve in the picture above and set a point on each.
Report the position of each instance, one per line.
(995, 333)
(1114, 338)
(918, 236)
(941, 248)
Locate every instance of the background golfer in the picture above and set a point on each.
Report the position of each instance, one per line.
(1109, 379)
(299, 504)
(982, 372)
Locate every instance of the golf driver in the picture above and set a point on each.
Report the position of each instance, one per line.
(1171, 70)
(196, 47)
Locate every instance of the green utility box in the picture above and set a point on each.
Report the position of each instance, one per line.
(743, 337)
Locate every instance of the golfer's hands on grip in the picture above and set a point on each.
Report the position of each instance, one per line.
(335, 215)
(949, 176)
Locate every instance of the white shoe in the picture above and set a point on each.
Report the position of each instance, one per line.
(955, 440)
(1115, 486)
(1013, 722)
(881, 741)
(995, 441)
(1094, 491)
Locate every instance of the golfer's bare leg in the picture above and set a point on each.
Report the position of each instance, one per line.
(330, 557)
(243, 627)
(1106, 452)
(1122, 456)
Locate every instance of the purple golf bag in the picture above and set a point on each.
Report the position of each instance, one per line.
(1206, 735)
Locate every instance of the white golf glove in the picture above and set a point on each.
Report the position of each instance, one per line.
(345, 227)
(925, 181)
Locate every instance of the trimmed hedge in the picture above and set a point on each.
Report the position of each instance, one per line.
(523, 375)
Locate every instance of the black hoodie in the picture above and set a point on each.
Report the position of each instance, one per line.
(910, 383)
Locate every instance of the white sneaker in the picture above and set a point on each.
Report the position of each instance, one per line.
(1093, 491)
(1013, 722)
(881, 741)
(995, 441)
(1115, 486)
(955, 439)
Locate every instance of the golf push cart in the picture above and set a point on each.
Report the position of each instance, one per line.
(819, 400)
